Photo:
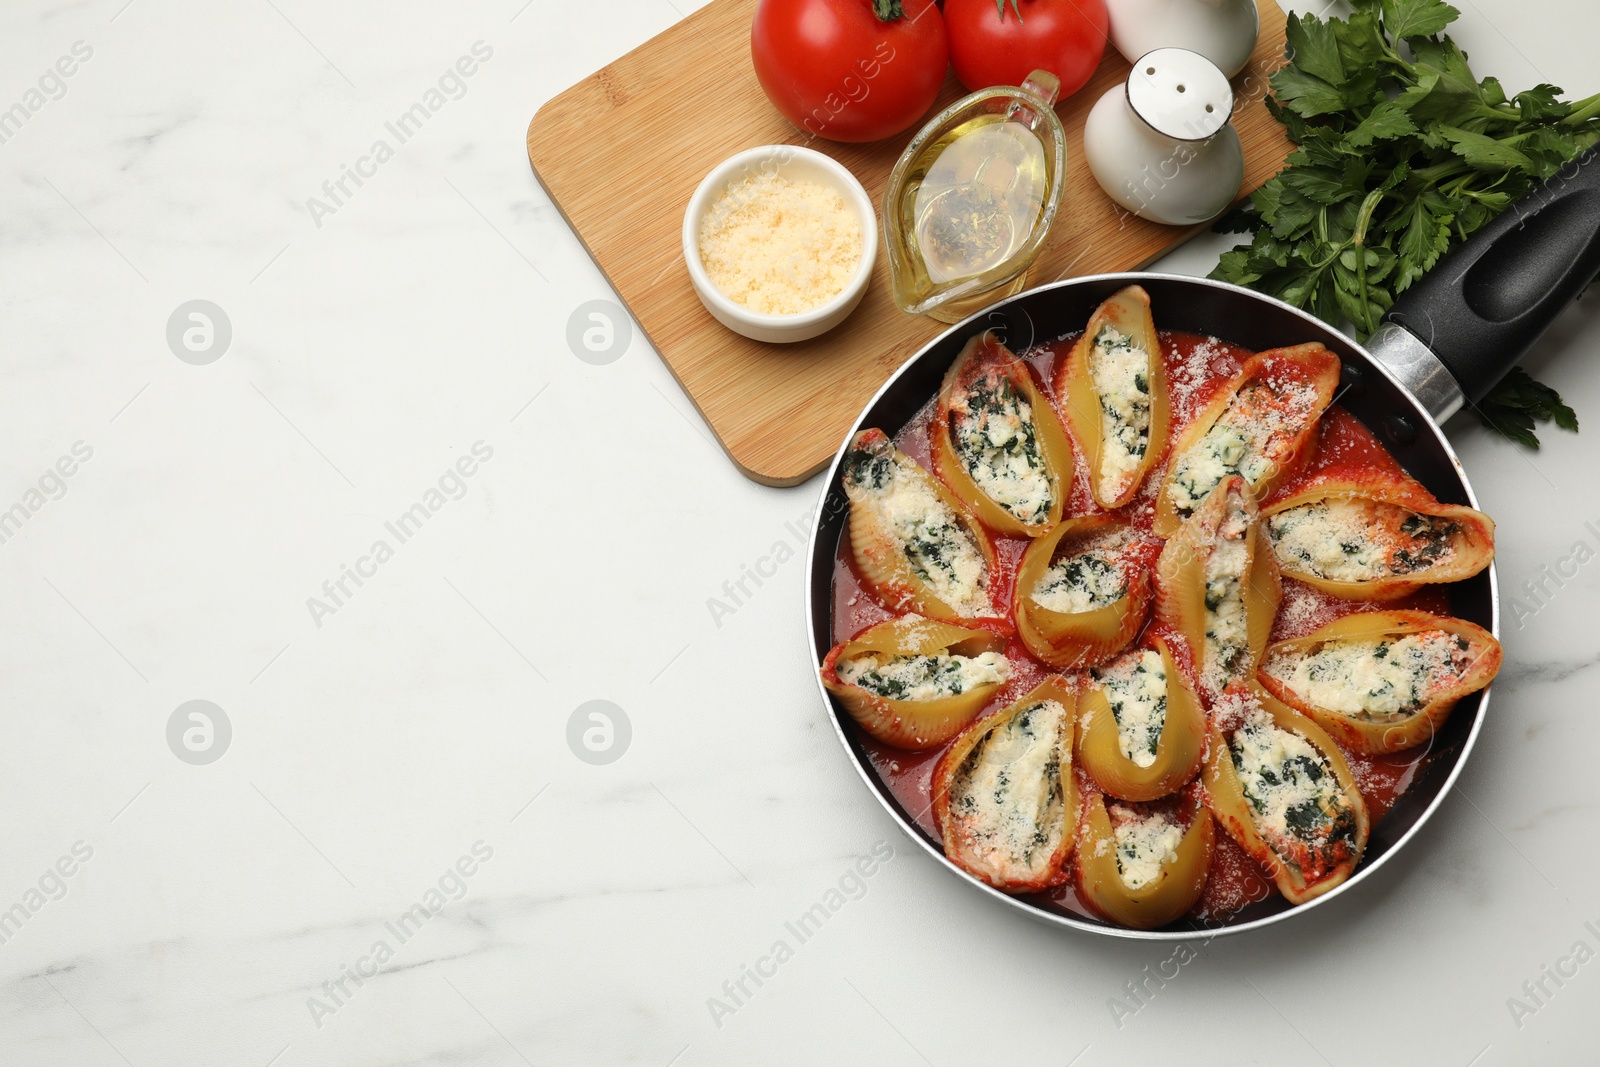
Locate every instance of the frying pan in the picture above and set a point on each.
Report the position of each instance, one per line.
(1445, 343)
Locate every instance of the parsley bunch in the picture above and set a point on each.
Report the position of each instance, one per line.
(1401, 155)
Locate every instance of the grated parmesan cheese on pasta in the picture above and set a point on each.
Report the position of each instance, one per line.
(1303, 609)
(1359, 540)
(1135, 685)
(1193, 374)
(1121, 374)
(1008, 796)
(1291, 789)
(940, 550)
(779, 246)
(1226, 652)
(1376, 679)
(997, 441)
(924, 677)
(1144, 844)
(1086, 580)
(1251, 438)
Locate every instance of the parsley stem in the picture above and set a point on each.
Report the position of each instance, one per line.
(1381, 39)
(1439, 171)
(1334, 252)
(1364, 218)
(1583, 111)
(1359, 240)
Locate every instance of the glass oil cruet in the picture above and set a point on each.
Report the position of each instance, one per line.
(972, 199)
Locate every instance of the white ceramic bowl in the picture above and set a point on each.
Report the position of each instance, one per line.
(795, 163)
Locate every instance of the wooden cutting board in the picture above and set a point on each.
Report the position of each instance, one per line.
(621, 152)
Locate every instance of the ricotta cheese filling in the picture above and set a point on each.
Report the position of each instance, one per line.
(1375, 678)
(1008, 793)
(1121, 375)
(1079, 583)
(995, 437)
(1135, 686)
(941, 551)
(1348, 540)
(1227, 645)
(1144, 845)
(1298, 805)
(923, 677)
(1251, 438)
(1090, 576)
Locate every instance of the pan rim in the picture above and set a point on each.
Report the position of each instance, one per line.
(1027, 907)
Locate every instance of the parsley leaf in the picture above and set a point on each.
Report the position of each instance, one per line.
(1417, 18)
(1315, 48)
(1542, 103)
(1385, 122)
(1307, 94)
(1483, 151)
(1425, 237)
(1513, 406)
(1401, 154)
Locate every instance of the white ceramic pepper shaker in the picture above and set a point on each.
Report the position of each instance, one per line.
(1161, 144)
(1224, 31)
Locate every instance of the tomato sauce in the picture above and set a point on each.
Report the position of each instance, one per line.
(1197, 369)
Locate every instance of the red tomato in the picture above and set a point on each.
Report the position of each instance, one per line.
(836, 70)
(1002, 43)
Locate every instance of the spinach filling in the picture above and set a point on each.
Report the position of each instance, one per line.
(998, 444)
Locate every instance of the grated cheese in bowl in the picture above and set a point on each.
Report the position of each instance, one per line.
(779, 246)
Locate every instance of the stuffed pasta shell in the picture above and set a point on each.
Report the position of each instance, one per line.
(1376, 535)
(1257, 426)
(1143, 868)
(915, 682)
(1115, 393)
(997, 443)
(915, 546)
(1004, 795)
(1281, 788)
(1382, 681)
(1217, 584)
(1143, 731)
(1082, 591)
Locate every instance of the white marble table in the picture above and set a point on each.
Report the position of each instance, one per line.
(399, 743)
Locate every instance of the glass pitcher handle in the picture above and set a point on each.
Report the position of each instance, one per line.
(1043, 86)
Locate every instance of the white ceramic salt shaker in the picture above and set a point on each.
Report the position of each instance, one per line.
(1224, 31)
(1161, 144)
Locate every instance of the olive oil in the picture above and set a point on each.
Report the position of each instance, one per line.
(971, 201)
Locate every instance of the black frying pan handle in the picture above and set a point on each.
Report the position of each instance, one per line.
(1483, 306)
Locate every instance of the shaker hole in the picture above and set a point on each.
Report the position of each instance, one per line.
(1149, 70)
(1209, 109)
(1182, 89)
